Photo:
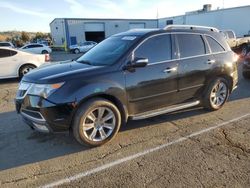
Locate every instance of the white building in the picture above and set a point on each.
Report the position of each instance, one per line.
(75, 30)
(236, 19)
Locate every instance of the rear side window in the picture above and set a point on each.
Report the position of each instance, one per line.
(230, 34)
(156, 49)
(214, 45)
(7, 53)
(190, 45)
(37, 46)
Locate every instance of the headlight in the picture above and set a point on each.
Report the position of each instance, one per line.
(44, 90)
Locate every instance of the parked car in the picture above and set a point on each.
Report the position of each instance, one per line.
(246, 67)
(242, 43)
(83, 47)
(36, 48)
(7, 44)
(132, 75)
(15, 63)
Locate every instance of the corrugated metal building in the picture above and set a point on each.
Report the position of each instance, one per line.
(236, 19)
(75, 30)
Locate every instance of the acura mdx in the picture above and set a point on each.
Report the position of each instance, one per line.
(134, 75)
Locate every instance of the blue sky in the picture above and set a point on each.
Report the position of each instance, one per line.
(35, 15)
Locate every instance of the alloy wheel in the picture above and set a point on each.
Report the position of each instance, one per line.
(99, 124)
(219, 94)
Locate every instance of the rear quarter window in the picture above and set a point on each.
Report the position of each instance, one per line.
(214, 45)
(191, 45)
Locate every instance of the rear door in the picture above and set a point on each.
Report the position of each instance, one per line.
(195, 63)
(8, 63)
(155, 85)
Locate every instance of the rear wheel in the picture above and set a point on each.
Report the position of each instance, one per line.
(217, 94)
(25, 69)
(96, 122)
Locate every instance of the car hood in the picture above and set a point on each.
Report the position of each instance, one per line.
(59, 72)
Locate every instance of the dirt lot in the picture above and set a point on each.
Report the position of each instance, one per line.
(191, 148)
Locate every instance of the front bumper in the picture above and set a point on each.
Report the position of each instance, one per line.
(43, 115)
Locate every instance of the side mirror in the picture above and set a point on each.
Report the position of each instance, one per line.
(137, 63)
(140, 62)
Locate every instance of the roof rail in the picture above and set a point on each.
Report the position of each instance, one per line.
(192, 27)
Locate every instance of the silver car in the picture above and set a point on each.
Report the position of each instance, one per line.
(83, 47)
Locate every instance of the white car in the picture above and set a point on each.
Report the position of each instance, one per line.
(84, 47)
(36, 48)
(7, 44)
(15, 63)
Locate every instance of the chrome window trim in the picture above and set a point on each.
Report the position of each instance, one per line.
(184, 58)
(206, 35)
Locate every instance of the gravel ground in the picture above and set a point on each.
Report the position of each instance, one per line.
(218, 157)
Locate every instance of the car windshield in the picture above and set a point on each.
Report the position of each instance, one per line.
(107, 52)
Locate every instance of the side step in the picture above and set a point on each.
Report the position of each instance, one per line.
(164, 110)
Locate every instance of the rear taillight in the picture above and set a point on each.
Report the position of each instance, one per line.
(47, 57)
(236, 57)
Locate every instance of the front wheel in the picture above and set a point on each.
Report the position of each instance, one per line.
(76, 51)
(96, 122)
(216, 94)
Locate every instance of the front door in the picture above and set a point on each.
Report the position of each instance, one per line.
(8, 63)
(154, 86)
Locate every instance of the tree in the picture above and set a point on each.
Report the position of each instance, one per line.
(25, 36)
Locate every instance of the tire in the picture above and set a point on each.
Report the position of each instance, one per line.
(215, 97)
(246, 75)
(25, 69)
(76, 51)
(91, 130)
(244, 50)
(45, 52)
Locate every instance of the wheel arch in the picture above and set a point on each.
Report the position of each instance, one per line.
(122, 109)
(22, 65)
(225, 76)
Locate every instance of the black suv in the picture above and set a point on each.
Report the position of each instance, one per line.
(133, 75)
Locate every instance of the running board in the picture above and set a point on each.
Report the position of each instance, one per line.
(164, 110)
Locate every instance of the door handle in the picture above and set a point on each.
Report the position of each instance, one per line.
(169, 70)
(211, 61)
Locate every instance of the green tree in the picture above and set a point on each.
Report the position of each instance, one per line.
(25, 36)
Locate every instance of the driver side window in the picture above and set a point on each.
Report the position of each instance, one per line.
(155, 49)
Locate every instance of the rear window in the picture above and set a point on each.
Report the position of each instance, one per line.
(214, 45)
(230, 34)
(190, 45)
